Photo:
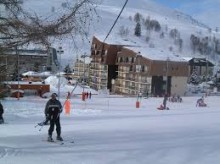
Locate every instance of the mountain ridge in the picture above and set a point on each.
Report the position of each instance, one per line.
(107, 11)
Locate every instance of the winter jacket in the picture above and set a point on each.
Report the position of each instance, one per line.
(53, 107)
(1, 109)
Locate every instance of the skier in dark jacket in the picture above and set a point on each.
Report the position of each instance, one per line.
(1, 113)
(165, 101)
(52, 111)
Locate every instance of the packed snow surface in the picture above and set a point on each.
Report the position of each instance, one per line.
(109, 129)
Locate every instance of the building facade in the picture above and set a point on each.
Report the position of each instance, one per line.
(103, 69)
(139, 74)
(81, 70)
(21, 60)
(125, 71)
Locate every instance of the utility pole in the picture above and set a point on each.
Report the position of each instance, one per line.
(83, 83)
(59, 51)
(84, 62)
(18, 76)
(138, 70)
(167, 75)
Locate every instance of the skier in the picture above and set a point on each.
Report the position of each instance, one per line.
(52, 110)
(1, 113)
(200, 102)
(90, 95)
(165, 101)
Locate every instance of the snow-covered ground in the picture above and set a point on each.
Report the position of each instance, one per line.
(111, 130)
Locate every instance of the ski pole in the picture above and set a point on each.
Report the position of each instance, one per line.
(41, 128)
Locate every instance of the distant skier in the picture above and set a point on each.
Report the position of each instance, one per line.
(164, 105)
(200, 102)
(1, 113)
(165, 101)
(90, 95)
(52, 110)
(147, 94)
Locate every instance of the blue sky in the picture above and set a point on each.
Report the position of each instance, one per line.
(206, 11)
(173, 3)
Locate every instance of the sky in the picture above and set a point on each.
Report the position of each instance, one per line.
(110, 129)
(203, 10)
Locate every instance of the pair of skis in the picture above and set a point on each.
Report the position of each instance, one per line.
(65, 142)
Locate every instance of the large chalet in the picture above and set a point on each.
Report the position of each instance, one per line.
(131, 70)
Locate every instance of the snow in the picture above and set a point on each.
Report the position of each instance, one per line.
(109, 129)
(153, 54)
(107, 12)
(29, 73)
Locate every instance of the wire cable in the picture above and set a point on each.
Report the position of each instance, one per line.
(116, 20)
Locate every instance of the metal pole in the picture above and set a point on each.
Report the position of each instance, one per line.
(60, 51)
(167, 75)
(59, 79)
(84, 62)
(206, 70)
(138, 67)
(16, 51)
(84, 72)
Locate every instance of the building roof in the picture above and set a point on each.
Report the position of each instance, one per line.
(154, 54)
(200, 62)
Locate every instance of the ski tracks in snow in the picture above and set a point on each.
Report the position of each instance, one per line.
(7, 151)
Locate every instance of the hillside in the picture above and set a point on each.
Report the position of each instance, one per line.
(180, 44)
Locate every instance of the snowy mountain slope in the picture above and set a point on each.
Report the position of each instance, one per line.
(107, 11)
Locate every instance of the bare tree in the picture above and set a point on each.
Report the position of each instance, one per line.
(123, 32)
(18, 27)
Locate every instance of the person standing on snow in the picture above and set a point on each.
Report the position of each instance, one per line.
(1, 113)
(52, 110)
(90, 95)
(165, 101)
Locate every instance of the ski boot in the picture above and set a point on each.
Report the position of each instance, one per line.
(50, 139)
(59, 138)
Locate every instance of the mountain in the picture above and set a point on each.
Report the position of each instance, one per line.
(183, 28)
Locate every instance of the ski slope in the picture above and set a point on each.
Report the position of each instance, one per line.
(111, 130)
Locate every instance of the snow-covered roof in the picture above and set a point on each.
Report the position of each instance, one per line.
(187, 58)
(155, 54)
(37, 74)
(29, 73)
(46, 73)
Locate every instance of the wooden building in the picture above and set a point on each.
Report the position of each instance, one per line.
(202, 65)
(81, 70)
(103, 68)
(131, 69)
(138, 73)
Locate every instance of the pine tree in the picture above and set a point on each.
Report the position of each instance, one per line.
(138, 29)
(67, 69)
(194, 78)
(137, 17)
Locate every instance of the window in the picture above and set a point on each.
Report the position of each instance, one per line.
(138, 68)
(120, 59)
(145, 69)
(132, 60)
(142, 68)
(126, 60)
